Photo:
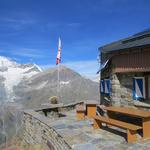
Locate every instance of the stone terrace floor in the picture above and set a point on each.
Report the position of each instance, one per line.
(80, 135)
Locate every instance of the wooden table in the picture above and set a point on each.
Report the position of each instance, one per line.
(91, 108)
(144, 115)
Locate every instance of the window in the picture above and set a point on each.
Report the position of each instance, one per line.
(102, 86)
(138, 88)
(105, 86)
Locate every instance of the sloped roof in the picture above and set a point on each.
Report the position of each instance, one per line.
(136, 40)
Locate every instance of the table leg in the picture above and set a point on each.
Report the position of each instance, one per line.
(86, 110)
(131, 136)
(97, 124)
(146, 127)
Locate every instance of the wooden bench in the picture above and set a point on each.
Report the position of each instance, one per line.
(131, 128)
(80, 112)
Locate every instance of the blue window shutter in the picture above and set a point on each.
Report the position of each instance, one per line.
(102, 86)
(107, 86)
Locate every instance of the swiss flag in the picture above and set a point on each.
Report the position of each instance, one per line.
(58, 58)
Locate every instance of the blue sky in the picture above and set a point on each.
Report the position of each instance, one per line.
(29, 29)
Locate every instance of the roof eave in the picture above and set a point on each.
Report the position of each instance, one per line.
(128, 48)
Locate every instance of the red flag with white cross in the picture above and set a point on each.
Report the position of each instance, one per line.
(58, 58)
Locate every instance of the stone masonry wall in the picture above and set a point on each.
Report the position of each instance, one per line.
(122, 88)
(37, 131)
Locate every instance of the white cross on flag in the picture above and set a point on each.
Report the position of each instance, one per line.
(58, 58)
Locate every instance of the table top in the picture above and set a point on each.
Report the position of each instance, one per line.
(89, 102)
(128, 111)
(80, 108)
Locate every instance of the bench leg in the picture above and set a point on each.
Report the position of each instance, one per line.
(97, 124)
(80, 116)
(146, 125)
(131, 136)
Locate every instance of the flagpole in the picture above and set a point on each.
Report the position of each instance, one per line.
(58, 59)
(58, 83)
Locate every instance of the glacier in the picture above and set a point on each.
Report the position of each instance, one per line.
(12, 73)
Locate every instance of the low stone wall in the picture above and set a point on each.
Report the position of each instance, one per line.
(70, 106)
(37, 131)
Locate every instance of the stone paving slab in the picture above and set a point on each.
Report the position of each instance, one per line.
(69, 132)
(80, 135)
(87, 146)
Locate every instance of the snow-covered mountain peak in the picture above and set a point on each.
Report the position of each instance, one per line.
(6, 62)
(35, 65)
(13, 73)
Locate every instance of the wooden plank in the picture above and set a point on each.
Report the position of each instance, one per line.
(129, 111)
(118, 123)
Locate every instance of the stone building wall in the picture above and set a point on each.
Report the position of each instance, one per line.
(37, 131)
(121, 89)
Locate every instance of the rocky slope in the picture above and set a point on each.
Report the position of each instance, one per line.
(27, 84)
(39, 88)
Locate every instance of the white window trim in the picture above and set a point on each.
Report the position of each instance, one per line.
(143, 78)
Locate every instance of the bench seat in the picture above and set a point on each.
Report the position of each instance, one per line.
(131, 128)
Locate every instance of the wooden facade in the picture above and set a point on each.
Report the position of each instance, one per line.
(131, 62)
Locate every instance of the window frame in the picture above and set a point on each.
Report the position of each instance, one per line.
(134, 89)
